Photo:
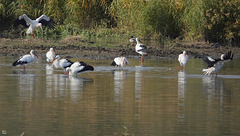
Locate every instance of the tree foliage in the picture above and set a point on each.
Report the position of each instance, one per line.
(210, 20)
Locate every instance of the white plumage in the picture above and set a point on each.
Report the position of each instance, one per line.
(214, 65)
(33, 24)
(120, 61)
(50, 55)
(61, 63)
(141, 49)
(183, 59)
(78, 67)
(26, 59)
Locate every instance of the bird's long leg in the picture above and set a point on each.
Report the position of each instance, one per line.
(142, 60)
(34, 35)
(24, 68)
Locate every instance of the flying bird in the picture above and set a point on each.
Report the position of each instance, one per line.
(78, 67)
(50, 55)
(120, 61)
(183, 59)
(140, 48)
(61, 63)
(214, 65)
(33, 24)
(26, 59)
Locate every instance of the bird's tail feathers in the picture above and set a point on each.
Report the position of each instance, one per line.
(207, 71)
(113, 63)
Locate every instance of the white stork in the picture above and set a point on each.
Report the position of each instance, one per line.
(120, 61)
(33, 24)
(141, 49)
(183, 59)
(78, 67)
(26, 59)
(50, 55)
(61, 63)
(214, 65)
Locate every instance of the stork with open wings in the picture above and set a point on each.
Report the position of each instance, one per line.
(214, 65)
(33, 24)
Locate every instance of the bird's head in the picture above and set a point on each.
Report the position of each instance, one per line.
(184, 53)
(56, 58)
(40, 25)
(68, 69)
(51, 49)
(32, 52)
(137, 39)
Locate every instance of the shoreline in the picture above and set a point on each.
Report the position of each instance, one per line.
(18, 47)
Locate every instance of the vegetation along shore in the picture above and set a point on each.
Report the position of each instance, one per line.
(198, 26)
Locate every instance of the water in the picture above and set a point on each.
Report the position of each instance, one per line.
(156, 99)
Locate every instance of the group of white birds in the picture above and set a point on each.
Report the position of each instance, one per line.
(69, 67)
(214, 65)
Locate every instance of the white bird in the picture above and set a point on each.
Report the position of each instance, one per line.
(26, 59)
(33, 24)
(61, 63)
(120, 61)
(78, 67)
(141, 49)
(183, 59)
(214, 65)
(50, 55)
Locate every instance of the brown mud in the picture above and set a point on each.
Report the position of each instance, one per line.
(79, 49)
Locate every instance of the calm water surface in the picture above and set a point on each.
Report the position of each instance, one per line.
(156, 99)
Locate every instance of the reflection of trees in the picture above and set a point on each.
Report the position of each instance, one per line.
(181, 94)
(119, 76)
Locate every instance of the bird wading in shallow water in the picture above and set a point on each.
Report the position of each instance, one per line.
(78, 67)
(140, 48)
(214, 65)
(50, 55)
(120, 61)
(61, 63)
(183, 59)
(33, 24)
(26, 59)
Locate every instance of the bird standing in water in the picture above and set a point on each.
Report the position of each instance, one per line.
(183, 59)
(141, 49)
(26, 59)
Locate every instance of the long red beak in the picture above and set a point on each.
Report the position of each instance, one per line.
(54, 59)
(54, 52)
(36, 55)
(41, 27)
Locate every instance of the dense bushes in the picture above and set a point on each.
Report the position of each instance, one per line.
(210, 20)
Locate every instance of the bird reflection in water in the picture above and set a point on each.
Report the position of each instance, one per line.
(27, 86)
(213, 87)
(138, 84)
(119, 78)
(181, 95)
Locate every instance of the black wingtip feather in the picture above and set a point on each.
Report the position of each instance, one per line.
(113, 63)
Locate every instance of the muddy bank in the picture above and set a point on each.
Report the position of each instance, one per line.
(18, 47)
